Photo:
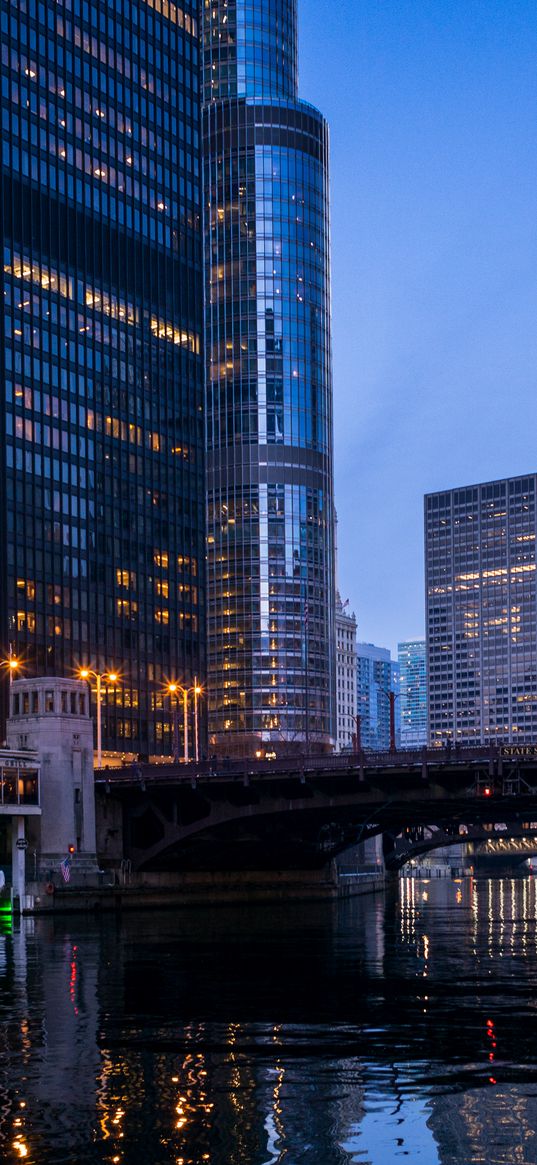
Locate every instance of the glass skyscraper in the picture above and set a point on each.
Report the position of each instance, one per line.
(271, 650)
(377, 677)
(101, 363)
(480, 570)
(411, 655)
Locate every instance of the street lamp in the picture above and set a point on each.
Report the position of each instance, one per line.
(357, 734)
(111, 677)
(392, 697)
(198, 691)
(177, 690)
(174, 690)
(12, 664)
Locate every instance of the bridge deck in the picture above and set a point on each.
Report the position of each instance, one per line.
(426, 760)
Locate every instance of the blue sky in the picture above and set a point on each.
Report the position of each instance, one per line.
(432, 106)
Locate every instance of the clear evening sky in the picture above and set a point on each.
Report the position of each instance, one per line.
(432, 106)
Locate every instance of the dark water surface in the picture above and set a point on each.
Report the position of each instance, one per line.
(383, 1030)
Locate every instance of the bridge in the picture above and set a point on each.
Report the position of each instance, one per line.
(300, 812)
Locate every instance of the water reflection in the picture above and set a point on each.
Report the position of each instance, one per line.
(382, 1028)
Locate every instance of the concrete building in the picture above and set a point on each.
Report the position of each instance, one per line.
(377, 691)
(270, 563)
(345, 675)
(411, 655)
(482, 612)
(49, 719)
(20, 817)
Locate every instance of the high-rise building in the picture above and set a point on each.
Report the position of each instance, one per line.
(377, 692)
(101, 363)
(271, 651)
(482, 612)
(345, 675)
(413, 692)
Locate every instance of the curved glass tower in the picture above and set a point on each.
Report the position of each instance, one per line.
(269, 389)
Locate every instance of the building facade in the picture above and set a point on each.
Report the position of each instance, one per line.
(377, 688)
(101, 413)
(345, 676)
(411, 655)
(271, 649)
(482, 612)
(51, 717)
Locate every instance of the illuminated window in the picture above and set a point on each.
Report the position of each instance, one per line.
(126, 608)
(126, 578)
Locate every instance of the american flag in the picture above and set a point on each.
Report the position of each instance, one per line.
(65, 868)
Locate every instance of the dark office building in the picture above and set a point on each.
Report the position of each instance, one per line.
(101, 366)
(271, 640)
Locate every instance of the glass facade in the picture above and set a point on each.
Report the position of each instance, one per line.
(271, 646)
(411, 656)
(482, 612)
(101, 364)
(377, 676)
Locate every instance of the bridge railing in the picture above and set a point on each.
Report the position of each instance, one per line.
(222, 768)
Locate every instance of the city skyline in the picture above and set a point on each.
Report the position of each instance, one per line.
(433, 168)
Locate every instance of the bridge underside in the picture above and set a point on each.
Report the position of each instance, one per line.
(299, 822)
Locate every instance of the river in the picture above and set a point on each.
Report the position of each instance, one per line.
(397, 1027)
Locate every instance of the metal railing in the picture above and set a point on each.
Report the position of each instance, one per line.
(298, 766)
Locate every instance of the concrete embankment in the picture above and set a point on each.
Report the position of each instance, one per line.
(161, 891)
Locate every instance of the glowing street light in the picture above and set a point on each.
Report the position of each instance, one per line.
(178, 690)
(198, 691)
(110, 677)
(12, 664)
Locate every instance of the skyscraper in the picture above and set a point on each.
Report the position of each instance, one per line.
(413, 692)
(102, 466)
(482, 612)
(268, 374)
(377, 691)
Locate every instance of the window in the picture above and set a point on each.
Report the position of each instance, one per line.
(49, 701)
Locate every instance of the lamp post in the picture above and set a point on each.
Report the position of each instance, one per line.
(197, 692)
(177, 690)
(392, 696)
(12, 664)
(357, 734)
(86, 673)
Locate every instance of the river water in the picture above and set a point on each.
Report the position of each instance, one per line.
(398, 1027)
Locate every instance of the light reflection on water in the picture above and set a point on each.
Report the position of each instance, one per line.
(378, 1030)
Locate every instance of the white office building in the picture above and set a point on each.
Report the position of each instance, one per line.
(345, 675)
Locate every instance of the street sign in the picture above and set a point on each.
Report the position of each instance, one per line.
(21, 843)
